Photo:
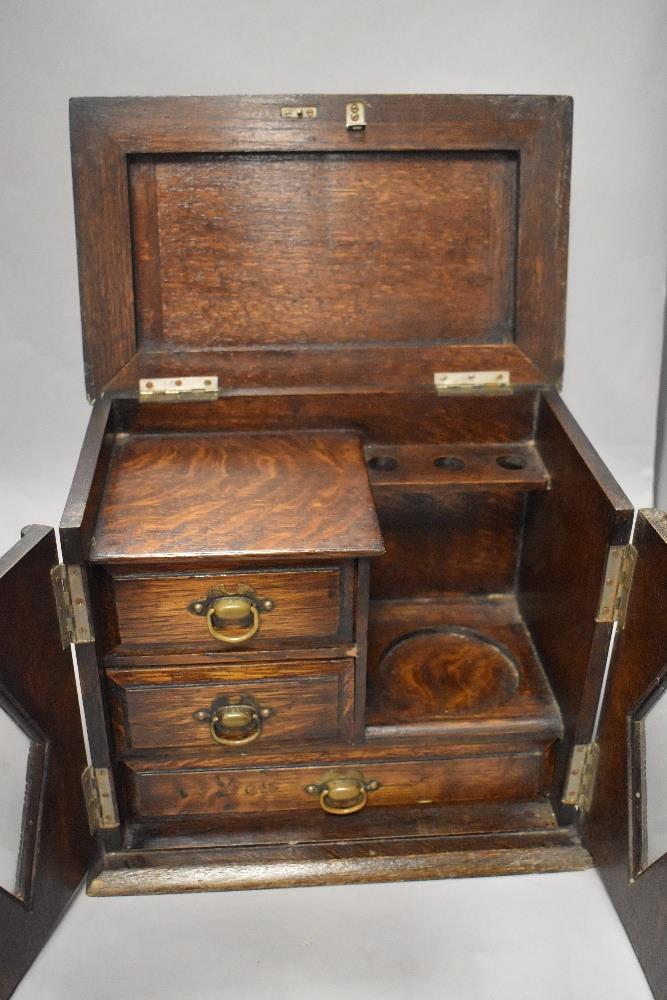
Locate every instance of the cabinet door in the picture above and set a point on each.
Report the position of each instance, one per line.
(44, 839)
(627, 825)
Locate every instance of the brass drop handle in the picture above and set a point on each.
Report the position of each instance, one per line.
(343, 794)
(222, 607)
(233, 724)
(234, 608)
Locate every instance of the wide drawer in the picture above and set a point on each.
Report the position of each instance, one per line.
(309, 607)
(279, 789)
(230, 707)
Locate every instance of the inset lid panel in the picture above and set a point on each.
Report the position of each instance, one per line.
(262, 250)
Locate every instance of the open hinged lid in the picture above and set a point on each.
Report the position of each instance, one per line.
(277, 242)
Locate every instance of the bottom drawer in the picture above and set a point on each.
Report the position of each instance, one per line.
(336, 789)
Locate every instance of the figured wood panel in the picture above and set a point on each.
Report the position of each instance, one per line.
(490, 624)
(236, 495)
(308, 701)
(613, 826)
(517, 776)
(315, 248)
(150, 610)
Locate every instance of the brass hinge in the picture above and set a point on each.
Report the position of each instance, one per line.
(450, 383)
(178, 390)
(581, 776)
(616, 585)
(99, 798)
(69, 587)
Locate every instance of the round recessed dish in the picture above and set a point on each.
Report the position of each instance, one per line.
(450, 462)
(511, 462)
(383, 463)
(436, 674)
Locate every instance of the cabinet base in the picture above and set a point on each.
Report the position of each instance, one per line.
(164, 864)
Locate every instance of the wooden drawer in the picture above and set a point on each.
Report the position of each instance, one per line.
(155, 708)
(278, 789)
(312, 607)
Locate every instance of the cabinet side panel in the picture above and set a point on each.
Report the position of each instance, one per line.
(567, 534)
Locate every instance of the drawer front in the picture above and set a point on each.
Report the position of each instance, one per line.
(150, 611)
(228, 708)
(255, 790)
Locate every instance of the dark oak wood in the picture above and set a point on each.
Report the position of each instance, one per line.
(458, 143)
(244, 790)
(434, 674)
(130, 873)
(566, 539)
(378, 746)
(530, 711)
(440, 542)
(638, 666)
(380, 416)
(236, 496)
(452, 820)
(324, 276)
(308, 701)
(465, 468)
(37, 681)
(148, 610)
(319, 248)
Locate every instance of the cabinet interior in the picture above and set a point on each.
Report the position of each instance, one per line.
(482, 640)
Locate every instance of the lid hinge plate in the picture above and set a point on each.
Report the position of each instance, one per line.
(581, 776)
(616, 585)
(71, 594)
(453, 383)
(99, 798)
(178, 390)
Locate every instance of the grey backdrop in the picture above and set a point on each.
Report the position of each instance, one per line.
(608, 55)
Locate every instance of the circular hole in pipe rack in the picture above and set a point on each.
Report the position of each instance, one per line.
(511, 462)
(383, 463)
(450, 462)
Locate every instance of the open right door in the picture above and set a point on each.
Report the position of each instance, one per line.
(627, 824)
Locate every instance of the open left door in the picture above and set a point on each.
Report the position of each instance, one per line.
(45, 843)
(627, 824)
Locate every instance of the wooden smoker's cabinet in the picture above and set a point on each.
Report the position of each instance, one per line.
(341, 570)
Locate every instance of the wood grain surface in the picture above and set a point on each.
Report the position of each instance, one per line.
(328, 247)
(38, 691)
(327, 369)
(236, 496)
(531, 711)
(566, 539)
(425, 192)
(153, 709)
(463, 467)
(148, 611)
(435, 674)
(267, 789)
(440, 542)
(338, 863)
(399, 416)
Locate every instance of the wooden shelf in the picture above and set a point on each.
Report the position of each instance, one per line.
(464, 467)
